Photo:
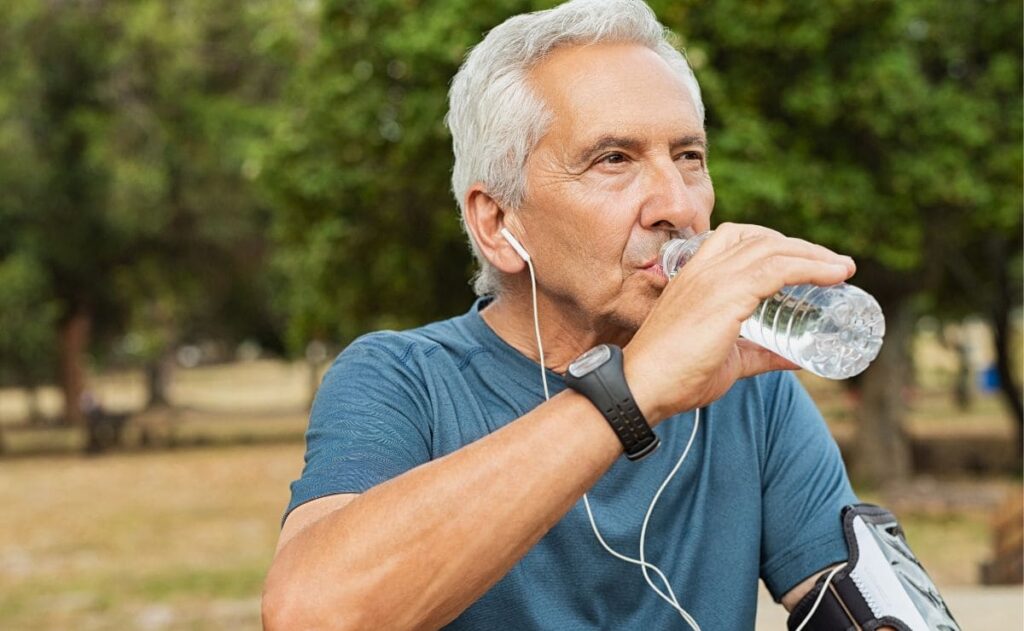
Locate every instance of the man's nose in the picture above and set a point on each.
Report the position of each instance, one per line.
(669, 203)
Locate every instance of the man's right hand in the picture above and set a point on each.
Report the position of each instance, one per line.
(688, 352)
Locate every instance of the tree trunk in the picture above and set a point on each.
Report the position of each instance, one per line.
(74, 341)
(1010, 390)
(158, 379)
(1000, 319)
(882, 452)
(963, 394)
(316, 354)
(35, 413)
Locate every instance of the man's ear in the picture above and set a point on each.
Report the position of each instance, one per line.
(484, 219)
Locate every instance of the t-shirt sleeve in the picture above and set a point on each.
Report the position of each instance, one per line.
(805, 488)
(369, 422)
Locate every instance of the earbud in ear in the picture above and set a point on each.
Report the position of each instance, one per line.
(518, 247)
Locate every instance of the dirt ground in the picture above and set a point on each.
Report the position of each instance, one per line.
(171, 540)
(180, 538)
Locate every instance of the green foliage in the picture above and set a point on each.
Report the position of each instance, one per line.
(199, 84)
(28, 314)
(131, 136)
(368, 232)
(155, 155)
(890, 130)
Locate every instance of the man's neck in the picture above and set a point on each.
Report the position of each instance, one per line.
(565, 335)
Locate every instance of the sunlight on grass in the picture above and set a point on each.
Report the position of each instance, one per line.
(102, 541)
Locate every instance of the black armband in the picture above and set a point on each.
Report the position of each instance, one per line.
(882, 584)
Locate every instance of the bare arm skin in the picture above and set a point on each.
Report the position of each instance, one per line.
(794, 595)
(418, 550)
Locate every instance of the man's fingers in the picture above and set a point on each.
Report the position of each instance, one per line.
(755, 360)
(765, 248)
(730, 234)
(765, 280)
(744, 244)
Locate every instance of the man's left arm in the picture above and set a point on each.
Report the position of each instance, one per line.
(793, 596)
(810, 527)
(804, 489)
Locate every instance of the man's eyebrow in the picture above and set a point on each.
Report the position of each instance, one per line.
(691, 139)
(626, 142)
(607, 142)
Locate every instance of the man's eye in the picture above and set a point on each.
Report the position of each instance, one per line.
(613, 158)
(693, 160)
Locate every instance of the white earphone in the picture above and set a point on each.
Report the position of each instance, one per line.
(645, 565)
(518, 247)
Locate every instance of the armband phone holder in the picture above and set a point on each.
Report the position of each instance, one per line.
(882, 584)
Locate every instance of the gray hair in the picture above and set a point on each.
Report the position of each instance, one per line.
(495, 117)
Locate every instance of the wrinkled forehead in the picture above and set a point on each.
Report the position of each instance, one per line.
(612, 89)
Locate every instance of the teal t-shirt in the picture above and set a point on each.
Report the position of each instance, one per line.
(758, 496)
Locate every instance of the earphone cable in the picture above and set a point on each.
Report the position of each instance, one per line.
(644, 565)
(821, 594)
(642, 562)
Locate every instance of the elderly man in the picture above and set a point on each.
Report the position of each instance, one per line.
(443, 484)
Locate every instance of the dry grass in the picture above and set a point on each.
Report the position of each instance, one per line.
(181, 539)
(257, 387)
(177, 539)
(165, 541)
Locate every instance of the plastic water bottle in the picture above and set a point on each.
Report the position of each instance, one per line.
(834, 331)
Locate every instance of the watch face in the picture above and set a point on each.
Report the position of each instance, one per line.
(590, 361)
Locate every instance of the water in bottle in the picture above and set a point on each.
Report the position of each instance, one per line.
(833, 331)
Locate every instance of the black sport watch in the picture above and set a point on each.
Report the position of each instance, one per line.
(597, 375)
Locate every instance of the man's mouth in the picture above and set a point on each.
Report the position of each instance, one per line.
(654, 267)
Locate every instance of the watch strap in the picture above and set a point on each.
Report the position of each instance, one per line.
(606, 388)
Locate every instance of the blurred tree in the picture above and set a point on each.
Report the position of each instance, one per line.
(137, 129)
(197, 86)
(887, 130)
(27, 311)
(55, 58)
(28, 315)
(367, 230)
(971, 52)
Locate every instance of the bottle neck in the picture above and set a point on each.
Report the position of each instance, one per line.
(678, 252)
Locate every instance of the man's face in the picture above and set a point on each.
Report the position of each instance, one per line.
(622, 167)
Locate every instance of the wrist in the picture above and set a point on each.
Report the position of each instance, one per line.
(640, 386)
(599, 375)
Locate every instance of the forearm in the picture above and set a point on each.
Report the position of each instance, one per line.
(418, 550)
(794, 595)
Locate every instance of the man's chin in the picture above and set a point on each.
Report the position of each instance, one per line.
(639, 307)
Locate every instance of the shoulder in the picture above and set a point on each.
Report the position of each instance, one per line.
(412, 357)
(777, 389)
(408, 349)
(773, 409)
(768, 392)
